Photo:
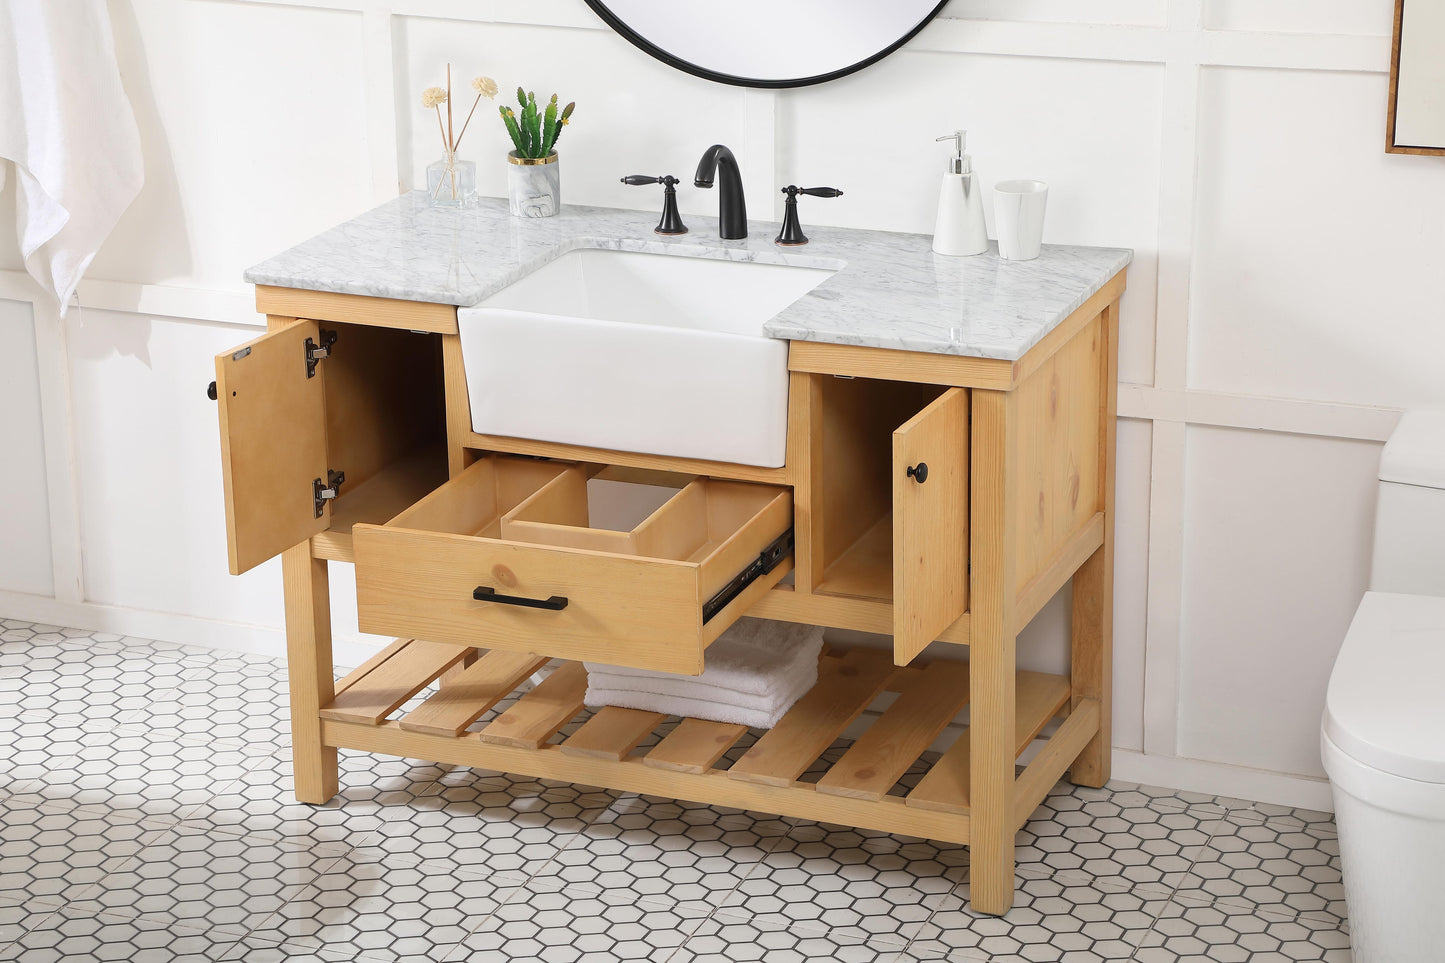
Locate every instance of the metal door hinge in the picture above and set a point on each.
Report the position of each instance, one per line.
(322, 492)
(315, 352)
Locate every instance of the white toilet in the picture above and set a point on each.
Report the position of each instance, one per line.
(1383, 734)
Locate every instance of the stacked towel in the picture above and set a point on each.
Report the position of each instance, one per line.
(754, 673)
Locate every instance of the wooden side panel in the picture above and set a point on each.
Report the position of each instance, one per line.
(1093, 615)
(273, 444)
(1057, 448)
(930, 524)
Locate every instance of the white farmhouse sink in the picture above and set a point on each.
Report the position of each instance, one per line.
(663, 354)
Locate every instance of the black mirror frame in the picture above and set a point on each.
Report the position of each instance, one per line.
(599, 7)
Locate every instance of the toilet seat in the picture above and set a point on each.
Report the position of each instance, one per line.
(1385, 707)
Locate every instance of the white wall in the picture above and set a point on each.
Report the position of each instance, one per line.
(1281, 307)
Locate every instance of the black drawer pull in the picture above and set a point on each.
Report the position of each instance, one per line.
(920, 474)
(484, 594)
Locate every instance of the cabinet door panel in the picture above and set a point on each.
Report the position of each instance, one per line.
(273, 443)
(930, 523)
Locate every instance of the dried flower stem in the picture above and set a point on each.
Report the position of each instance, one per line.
(451, 144)
(468, 120)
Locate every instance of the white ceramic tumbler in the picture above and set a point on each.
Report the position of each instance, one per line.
(1018, 217)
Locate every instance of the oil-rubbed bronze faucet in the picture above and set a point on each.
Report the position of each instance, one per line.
(732, 211)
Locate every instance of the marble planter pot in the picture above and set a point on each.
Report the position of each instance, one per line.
(534, 185)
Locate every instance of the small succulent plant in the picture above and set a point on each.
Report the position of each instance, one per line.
(535, 131)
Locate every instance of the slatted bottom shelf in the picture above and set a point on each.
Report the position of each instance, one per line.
(686, 762)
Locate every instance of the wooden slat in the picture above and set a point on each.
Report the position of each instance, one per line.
(540, 713)
(845, 687)
(357, 308)
(631, 775)
(607, 456)
(476, 689)
(1043, 586)
(881, 755)
(383, 690)
(1053, 760)
(1039, 697)
(612, 733)
(694, 745)
(359, 673)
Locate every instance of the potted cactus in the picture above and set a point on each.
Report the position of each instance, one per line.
(534, 183)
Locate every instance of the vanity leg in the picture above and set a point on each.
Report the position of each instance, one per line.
(991, 653)
(1092, 674)
(309, 670)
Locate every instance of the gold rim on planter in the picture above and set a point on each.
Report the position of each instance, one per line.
(514, 158)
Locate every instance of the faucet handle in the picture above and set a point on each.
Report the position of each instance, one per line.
(671, 222)
(792, 231)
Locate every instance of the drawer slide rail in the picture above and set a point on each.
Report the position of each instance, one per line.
(767, 560)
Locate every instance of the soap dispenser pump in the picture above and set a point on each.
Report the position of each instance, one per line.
(959, 230)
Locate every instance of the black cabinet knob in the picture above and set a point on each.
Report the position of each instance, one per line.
(919, 473)
(211, 391)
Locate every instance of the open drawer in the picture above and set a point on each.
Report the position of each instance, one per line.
(506, 556)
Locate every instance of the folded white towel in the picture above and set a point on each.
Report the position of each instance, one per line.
(684, 688)
(66, 123)
(754, 673)
(674, 705)
(755, 657)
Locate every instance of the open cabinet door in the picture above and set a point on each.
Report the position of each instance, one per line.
(273, 443)
(930, 523)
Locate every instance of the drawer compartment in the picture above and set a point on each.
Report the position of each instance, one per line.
(507, 555)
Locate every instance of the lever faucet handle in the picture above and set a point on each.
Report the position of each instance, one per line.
(671, 222)
(792, 231)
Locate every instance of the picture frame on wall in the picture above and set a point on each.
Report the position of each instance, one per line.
(1415, 123)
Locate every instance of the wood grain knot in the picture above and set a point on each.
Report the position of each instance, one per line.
(865, 773)
(504, 575)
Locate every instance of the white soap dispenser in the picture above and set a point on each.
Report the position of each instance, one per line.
(959, 230)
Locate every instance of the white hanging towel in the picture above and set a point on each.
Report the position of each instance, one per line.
(66, 124)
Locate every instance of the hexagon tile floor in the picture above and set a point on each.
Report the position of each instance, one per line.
(146, 815)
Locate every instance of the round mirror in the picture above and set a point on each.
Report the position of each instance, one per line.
(767, 43)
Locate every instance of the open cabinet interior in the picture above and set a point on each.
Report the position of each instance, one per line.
(853, 478)
(385, 420)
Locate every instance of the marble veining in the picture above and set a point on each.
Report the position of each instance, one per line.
(889, 290)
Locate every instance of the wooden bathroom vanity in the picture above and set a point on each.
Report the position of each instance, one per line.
(926, 496)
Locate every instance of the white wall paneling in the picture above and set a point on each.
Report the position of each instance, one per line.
(1282, 307)
(25, 562)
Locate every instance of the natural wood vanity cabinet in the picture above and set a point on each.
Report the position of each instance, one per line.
(924, 496)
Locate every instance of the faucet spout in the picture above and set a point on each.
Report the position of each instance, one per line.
(718, 161)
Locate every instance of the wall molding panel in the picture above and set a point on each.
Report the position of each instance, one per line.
(398, 37)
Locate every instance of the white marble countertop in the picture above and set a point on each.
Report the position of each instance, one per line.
(890, 290)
